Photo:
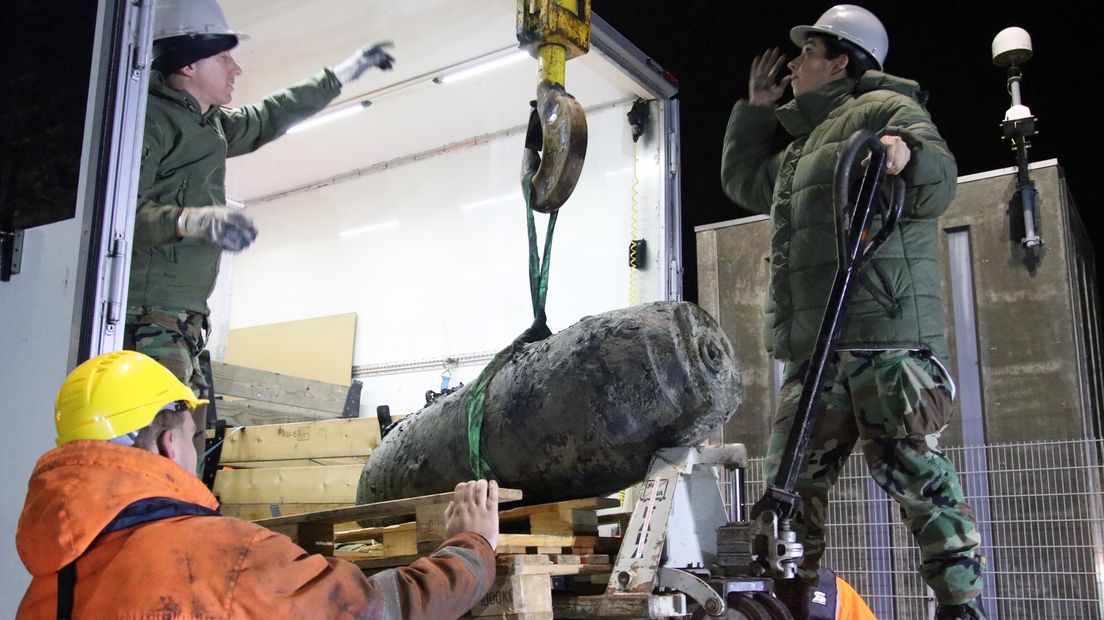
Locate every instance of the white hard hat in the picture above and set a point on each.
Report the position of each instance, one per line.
(175, 18)
(850, 23)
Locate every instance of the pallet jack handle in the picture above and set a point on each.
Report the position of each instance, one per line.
(856, 243)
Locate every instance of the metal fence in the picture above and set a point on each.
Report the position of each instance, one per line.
(1041, 516)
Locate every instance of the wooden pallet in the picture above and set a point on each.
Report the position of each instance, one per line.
(264, 397)
(569, 527)
(314, 531)
(523, 585)
(540, 547)
(276, 470)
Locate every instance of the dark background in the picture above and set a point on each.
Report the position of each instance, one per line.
(44, 71)
(709, 45)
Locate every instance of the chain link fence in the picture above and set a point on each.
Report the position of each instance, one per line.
(1041, 515)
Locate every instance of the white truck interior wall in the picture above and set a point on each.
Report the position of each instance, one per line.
(432, 254)
(409, 114)
(37, 306)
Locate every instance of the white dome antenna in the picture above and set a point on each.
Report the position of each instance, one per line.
(1012, 48)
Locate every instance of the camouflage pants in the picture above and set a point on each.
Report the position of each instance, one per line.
(175, 338)
(894, 404)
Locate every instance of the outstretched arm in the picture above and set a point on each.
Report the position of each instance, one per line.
(279, 579)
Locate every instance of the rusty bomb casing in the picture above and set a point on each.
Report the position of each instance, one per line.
(579, 414)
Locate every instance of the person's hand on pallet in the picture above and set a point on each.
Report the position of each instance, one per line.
(474, 508)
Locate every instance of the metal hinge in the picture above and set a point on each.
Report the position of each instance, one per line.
(140, 59)
(11, 253)
(672, 153)
(113, 305)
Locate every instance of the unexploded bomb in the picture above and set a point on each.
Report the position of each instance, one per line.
(579, 414)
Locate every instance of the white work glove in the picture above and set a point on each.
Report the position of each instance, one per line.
(364, 59)
(223, 227)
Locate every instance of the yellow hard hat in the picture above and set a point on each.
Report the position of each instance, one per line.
(114, 394)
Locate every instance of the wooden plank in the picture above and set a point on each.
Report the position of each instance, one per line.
(401, 539)
(325, 461)
(620, 606)
(252, 512)
(532, 615)
(554, 542)
(595, 503)
(274, 387)
(250, 413)
(431, 526)
(563, 570)
(377, 564)
(540, 565)
(515, 594)
(374, 533)
(352, 437)
(289, 485)
(393, 508)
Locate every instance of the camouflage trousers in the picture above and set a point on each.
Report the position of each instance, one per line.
(894, 404)
(175, 338)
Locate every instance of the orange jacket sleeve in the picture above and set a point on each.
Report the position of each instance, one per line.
(277, 579)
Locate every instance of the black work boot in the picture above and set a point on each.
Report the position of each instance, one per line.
(964, 611)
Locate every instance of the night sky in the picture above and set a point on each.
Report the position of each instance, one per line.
(709, 45)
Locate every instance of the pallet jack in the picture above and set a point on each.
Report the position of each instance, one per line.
(680, 547)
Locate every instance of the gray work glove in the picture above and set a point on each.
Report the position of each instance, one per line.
(222, 227)
(364, 59)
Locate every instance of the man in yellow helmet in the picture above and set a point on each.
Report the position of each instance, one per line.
(116, 524)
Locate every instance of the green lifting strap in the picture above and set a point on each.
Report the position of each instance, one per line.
(538, 289)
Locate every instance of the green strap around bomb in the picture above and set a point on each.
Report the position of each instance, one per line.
(538, 290)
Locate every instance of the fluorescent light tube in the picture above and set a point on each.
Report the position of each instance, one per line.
(332, 115)
(479, 204)
(493, 63)
(370, 228)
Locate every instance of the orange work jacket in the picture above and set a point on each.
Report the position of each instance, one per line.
(197, 566)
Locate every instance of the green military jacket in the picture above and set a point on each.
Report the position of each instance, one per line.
(184, 165)
(896, 301)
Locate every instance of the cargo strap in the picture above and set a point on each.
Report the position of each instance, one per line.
(538, 290)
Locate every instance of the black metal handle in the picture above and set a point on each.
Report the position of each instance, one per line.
(855, 245)
(848, 226)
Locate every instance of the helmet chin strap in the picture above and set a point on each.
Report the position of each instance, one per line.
(127, 439)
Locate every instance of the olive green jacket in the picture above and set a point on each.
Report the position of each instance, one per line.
(896, 301)
(184, 165)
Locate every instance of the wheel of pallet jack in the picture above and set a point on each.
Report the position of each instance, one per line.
(774, 607)
(744, 607)
(740, 607)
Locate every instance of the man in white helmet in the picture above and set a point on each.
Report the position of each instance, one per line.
(887, 389)
(116, 525)
(183, 224)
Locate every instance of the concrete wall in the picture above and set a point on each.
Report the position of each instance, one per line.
(733, 271)
(1031, 335)
(1037, 351)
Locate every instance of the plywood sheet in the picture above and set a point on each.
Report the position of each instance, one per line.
(319, 348)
